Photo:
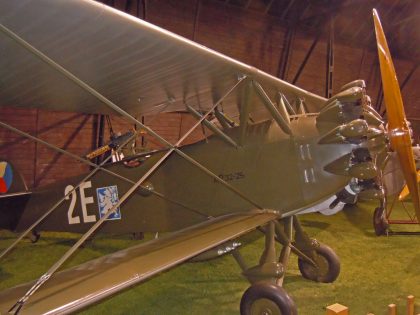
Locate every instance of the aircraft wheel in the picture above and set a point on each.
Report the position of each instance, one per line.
(138, 236)
(266, 298)
(379, 222)
(34, 236)
(328, 265)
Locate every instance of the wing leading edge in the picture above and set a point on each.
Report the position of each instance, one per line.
(80, 286)
(139, 66)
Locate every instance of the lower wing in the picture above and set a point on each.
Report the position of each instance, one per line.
(80, 286)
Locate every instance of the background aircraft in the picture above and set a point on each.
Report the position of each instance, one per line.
(210, 192)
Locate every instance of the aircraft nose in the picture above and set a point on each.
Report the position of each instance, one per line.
(361, 126)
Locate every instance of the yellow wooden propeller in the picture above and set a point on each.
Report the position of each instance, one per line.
(404, 192)
(399, 132)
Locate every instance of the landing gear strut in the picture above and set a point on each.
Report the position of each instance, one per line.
(317, 262)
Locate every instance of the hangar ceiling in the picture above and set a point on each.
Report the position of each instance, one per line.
(352, 20)
(195, 19)
(345, 22)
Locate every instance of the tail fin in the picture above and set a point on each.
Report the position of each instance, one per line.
(14, 195)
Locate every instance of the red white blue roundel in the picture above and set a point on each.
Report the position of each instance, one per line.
(6, 177)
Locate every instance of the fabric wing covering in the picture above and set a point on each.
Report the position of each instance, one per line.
(140, 67)
(90, 282)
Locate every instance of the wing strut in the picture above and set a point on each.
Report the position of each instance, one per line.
(282, 118)
(103, 99)
(78, 287)
(58, 203)
(212, 127)
(95, 170)
(245, 109)
(171, 148)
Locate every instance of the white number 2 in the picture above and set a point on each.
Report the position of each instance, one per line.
(71, 218)
(84, 201)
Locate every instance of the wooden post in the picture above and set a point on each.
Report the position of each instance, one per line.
(392, 309)
(410, 305)
(337, 309)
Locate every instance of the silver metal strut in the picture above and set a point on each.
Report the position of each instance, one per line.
(171, 148)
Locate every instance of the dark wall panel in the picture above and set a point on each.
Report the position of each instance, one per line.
(246, 35)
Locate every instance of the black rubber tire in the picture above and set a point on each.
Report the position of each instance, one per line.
(329, 265)
(137, 236)
(258, 294)
(34, 236)
(379, 222)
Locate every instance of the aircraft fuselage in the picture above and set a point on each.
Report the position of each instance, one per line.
(274, 170)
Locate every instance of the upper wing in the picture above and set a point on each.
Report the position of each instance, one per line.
(90, 282)
(140, 67)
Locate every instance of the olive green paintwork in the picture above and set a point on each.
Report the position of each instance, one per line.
(97, 279)
(145, 69)
(283, 164)
(273, 169)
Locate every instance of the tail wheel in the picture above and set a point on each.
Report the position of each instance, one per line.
(34, 236)
(328, 265)
(267, 298)
(379, 222)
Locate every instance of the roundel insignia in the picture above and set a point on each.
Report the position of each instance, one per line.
(6, 177)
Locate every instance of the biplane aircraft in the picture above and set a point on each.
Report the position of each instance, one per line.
(264, 163)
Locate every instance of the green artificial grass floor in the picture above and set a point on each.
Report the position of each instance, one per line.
(375, 271)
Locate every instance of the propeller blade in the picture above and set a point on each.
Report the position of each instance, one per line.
(404, 192)
(398, 129)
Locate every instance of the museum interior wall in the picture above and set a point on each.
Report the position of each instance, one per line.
(249, 36)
